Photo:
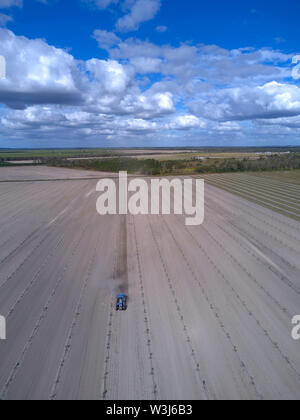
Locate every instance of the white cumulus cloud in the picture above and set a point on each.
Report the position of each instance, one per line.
(271, 100)
(139, 11)
(146, 91)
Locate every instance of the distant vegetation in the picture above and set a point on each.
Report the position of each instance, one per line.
(41, 154)
(149, 162)
(276, 162)
(131, 165)
(5, 163)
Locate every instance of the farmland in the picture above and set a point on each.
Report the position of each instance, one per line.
(278, 191)
(37, 154)
(210, 307)
(153, 166)
(141, 153)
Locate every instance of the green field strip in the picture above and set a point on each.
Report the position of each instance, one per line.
(267, 188)
(265, 182)
(261, 203)
(281, 210)
(258, 196)
(266, 192)
(290, 176)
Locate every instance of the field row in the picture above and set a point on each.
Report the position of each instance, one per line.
(278, 194)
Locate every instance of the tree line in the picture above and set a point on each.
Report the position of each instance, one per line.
(155, 167)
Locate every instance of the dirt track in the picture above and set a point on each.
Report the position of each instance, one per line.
(210, 307)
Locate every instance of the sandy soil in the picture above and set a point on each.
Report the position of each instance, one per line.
(210, 307)
(24, 173)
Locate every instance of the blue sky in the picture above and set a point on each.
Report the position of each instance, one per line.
(229, 24)
(149, 73)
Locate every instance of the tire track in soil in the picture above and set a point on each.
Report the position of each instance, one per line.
(249, 312)
(146, 317)
(279, 275)
(108, 352)
(265, 232)
(77, 314)
(44, 238)
(121, 268)
(259, 244)
(38, 324)
(35, 276)
(192, 352)
(12, 217)
(120, 285)
(14, 252)
(109, 336)
(233, 213)
(255, 241)
(25, 199)
(248, 273)
(24, 261)
(216, 314)
(238, 202)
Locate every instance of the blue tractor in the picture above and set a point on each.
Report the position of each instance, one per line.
(121, 304)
